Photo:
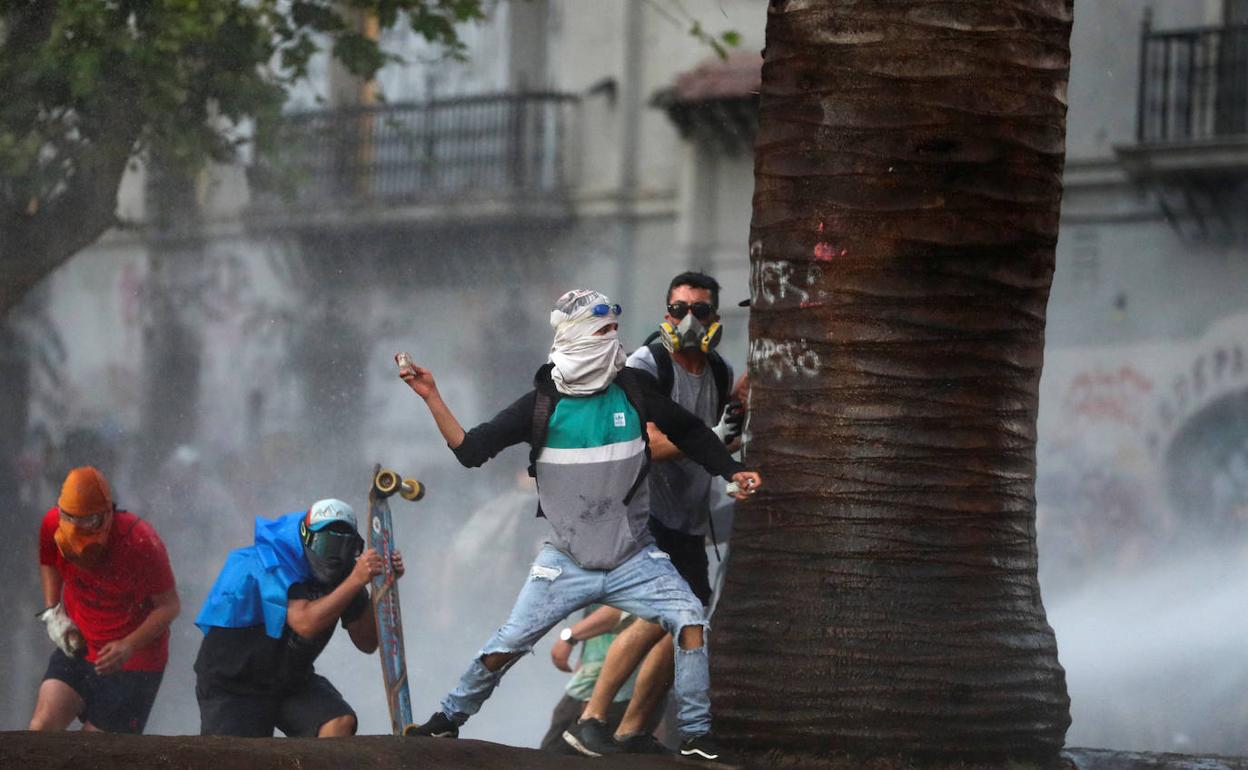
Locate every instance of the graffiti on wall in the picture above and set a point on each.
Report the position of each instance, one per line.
(1140, 449)
(1210, 375)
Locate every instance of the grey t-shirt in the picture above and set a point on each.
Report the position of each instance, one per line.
(680, 491)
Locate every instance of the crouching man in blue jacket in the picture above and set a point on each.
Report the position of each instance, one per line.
(271, 612)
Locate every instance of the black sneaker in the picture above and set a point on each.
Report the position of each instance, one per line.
(703, 748)
(641, 743)
(438, 726)
(591, 738)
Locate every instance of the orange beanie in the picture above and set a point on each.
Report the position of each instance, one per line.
(85, 492)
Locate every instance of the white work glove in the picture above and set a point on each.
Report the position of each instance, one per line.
(730, 422)
(62, 631)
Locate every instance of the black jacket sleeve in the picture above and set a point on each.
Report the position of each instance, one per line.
(690, 435)
(510, 426)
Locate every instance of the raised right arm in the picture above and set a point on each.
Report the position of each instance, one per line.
(472, 448)
(448, 426)
(511, 426)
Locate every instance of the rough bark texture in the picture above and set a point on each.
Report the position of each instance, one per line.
(15, 572)
(883, 596)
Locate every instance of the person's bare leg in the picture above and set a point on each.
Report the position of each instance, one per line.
(495, 661)
(690, 637)
(338, 727)
(625, 653)
(654, 679)
(57, 706)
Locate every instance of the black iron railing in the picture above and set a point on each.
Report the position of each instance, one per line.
(1193, 83)
(479, 147)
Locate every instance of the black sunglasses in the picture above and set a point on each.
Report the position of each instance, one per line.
(680, 309)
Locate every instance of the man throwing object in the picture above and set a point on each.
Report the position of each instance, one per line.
(585, 423)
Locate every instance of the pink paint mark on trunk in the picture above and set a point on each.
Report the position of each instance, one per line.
(826, 252)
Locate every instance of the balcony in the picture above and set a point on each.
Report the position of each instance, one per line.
(489, 156)
(717, 102)
(1191, 147)
(1193, 85)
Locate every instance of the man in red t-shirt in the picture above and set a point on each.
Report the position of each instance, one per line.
(110, 598)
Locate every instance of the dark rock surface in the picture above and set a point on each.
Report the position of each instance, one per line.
(1105, 759)
(99, 751)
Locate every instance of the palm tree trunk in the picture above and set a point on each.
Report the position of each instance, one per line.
(883, 595)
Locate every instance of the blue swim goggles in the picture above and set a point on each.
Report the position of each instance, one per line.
(602, 309)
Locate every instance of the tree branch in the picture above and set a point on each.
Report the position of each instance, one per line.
(35, 242)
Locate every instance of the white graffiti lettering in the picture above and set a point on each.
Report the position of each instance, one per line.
(784, 283)
(783, 359)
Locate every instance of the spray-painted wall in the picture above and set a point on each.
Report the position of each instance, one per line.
(1142, 459)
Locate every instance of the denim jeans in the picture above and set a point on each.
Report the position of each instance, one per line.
(646, 585)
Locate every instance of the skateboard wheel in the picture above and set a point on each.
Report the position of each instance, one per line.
(411, 729)
(412, 489)
(386, 483)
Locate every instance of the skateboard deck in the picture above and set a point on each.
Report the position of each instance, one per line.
(385, 593)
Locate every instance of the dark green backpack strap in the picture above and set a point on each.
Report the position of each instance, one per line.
(543, 405)
(719, 369)
(663, 363)
(630, 382)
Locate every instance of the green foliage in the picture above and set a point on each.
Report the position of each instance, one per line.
(85, 80)
(674, 11)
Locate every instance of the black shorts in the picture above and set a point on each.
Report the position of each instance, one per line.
(117, 703)
(688, 554)
(298, 713)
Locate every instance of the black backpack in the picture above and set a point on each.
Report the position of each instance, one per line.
(667, 374)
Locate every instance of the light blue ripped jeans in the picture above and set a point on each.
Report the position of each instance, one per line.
(646, 585)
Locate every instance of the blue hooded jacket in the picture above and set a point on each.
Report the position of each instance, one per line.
(253, 584)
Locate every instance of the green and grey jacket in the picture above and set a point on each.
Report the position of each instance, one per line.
(592, 459)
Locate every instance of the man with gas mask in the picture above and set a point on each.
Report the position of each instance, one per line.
(682, 357)
(584, 421)
(110, 597)
(269, 615)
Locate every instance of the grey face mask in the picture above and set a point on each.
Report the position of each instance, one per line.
(690, 331)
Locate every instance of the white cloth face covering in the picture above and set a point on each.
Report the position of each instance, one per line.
(585, 362)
